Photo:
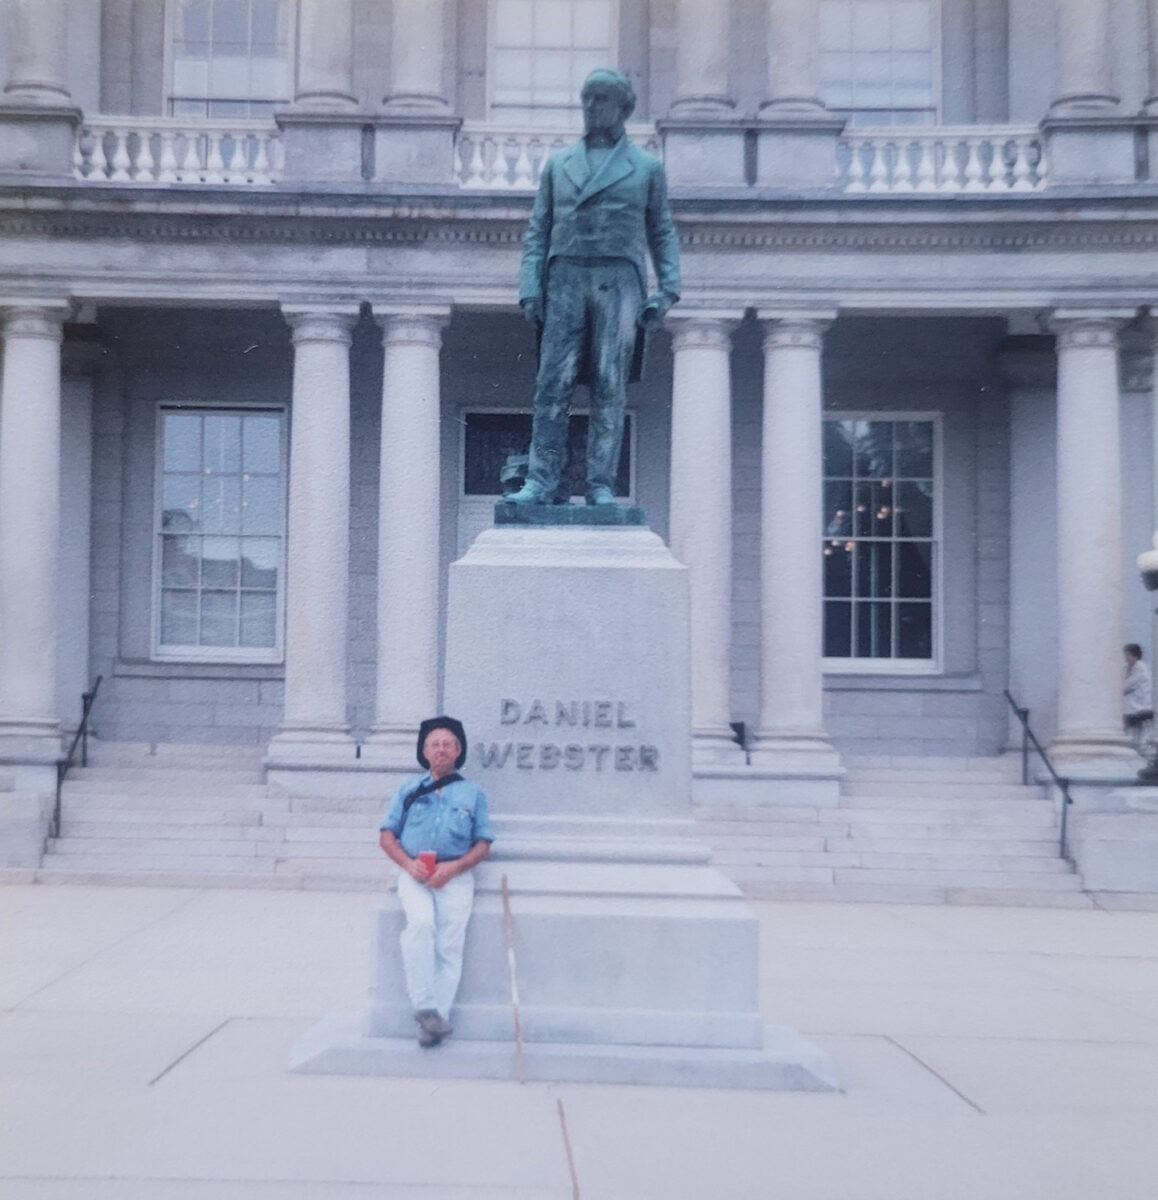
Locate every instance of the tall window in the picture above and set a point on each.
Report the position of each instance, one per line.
(878, 60)
(880, 541)
(220, 533)
(543, 50)
(231, 58)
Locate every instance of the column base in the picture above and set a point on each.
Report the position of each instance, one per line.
(716, 748)
(415, 145)
(781, 771)
(392, 748)
(298, 744)
(37, 139)
(704, 149)
(1094, 756)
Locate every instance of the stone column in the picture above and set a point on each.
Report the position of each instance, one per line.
(318, 541)
(29, 528)
(1089, 533)
(409, 550)
(702, 59)
(326, 55)
(1152, 47)
(36, 54)
(793, 58)
(416, 56)
(790, 734)
(1084, 70)
(701, 516)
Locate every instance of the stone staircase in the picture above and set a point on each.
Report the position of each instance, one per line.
(917, 830)
(183, 816)
(913, 830)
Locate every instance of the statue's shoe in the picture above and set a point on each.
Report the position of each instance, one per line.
(529, 493)
(600, 496)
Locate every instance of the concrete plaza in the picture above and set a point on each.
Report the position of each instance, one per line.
(987, 1054)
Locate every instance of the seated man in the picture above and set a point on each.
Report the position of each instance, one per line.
(437, 818)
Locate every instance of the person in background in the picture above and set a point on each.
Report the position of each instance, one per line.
(437, 830)
(1137, 696)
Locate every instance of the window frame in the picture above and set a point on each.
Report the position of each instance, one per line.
(937, 86)
(216, 654)
(169, 61)
(899, 666)
(569, 119)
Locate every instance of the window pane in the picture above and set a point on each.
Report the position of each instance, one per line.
(874, 630)
(268, 27)
(190, 78)
(915, 569)
(179, 561)
(871, 24)
(512, 70)
(219, 562)
(837, 629)
(230, 22)
(259, 563)
(514, 23)
(181, 503)
(261, 438)
(552, 67)
(915, 509)
(258, 617)
(837, 569)
(181, 435)
(553, 23)
(218, 618)
(874, 449)
(178, 618)
(193, 21)
(838, 508)
(874, 569)
(914, 631)
(261, 504)
(838, 441)
(592, 25)
(222, 444)
(222, 504)
(914, 440)
(836, 25)
(912, 25)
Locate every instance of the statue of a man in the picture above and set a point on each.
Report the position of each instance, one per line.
(601, 209)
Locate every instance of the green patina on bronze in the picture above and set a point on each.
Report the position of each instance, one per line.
(510, 513)
(600, 212)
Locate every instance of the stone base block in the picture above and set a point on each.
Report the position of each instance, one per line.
(415, 149)
(323, 147)
(1089, 150)
(785, 1062)
(24, 822)
(704, 153)
(1116, 848)
(37, 140)
(797, 153)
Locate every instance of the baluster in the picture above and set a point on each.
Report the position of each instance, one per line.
(238, 169)
(524, 175)
(191, 164)
(879, 173)
(903, 172)
(950, 171)
(855, 181)
(121, 160)
(78, 153)
(262, 171)
(145, 162)
(476, 167)
(168, 171)
(214, 163)
(974, 175)
(100, 163)
(926, 165)
(1021, 168)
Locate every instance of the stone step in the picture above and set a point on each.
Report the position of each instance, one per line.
(129, 832)
(750, 812)
(208, 784)
(726, 859)
(898, 792)
(955, 877)
(1000, 774)
(893, 894)
(191, 755)
(1026, 817)
(181, 862)
(1043, 847)
(150, 801)
(136, 820)
(854, 763)
(144, 847)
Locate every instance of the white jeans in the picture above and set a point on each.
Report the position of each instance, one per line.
(432, 942)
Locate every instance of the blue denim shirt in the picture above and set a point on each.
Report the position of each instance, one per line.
(448, 821)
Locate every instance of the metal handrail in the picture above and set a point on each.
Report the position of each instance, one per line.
(81, 738)
(1028, 738)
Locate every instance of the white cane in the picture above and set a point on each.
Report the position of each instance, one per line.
(520, 1061)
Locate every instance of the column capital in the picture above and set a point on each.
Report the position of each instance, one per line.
(314, 323)
(418, 324)
(804, 329)
(709, 329)
(1089, 326)
(36, 320)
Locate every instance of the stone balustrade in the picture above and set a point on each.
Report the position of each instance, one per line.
(150, 150)
(970, 158)
(499, 157)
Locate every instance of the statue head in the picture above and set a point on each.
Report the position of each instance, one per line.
(608, 99)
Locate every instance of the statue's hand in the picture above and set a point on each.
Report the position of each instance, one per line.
(533, 310)
(652, 314)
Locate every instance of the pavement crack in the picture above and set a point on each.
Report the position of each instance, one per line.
(185, 1054)
(936, 1075)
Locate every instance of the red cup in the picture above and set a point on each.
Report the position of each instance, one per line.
(428, 858)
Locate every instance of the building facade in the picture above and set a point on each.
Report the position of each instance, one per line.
(262, 360)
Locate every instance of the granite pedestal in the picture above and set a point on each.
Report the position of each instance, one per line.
(567, 660)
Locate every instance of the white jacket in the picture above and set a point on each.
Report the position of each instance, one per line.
(1137, 693)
